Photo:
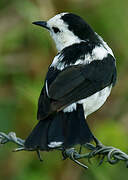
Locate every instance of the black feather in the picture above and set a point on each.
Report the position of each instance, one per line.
(75, 83)
(69, 128)
(80, 28)
(76, 51)
(89, 79)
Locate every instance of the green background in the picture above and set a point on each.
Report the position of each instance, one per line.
(25, 54)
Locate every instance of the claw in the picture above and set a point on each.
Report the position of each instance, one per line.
(98, 143)
(102, 160)
(39, 156)
(89, 160)
(64, 155)
(80, 150)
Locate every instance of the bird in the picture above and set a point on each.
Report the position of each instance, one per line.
(78, 82)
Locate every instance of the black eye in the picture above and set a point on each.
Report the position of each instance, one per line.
(55, 29)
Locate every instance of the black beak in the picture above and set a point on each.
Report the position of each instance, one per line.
(41, 23)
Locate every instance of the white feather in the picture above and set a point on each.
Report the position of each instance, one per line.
(91, 103)
(70, 108)
(55, 144)
(105, 45)
(99, 52)
(65, 37)
(47, 89)
(68, 38)
(94, 102)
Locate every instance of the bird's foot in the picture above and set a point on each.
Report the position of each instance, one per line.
(73, 155)
(98, 143)
(96, 150)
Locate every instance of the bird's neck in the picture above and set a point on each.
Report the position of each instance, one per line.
(66, 41)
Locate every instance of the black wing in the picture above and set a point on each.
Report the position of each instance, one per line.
(75, 83)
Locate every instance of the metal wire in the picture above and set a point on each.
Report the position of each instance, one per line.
(112, 154)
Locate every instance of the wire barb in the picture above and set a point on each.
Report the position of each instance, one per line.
(112, 154)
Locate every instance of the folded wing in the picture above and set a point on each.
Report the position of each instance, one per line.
(75, 83)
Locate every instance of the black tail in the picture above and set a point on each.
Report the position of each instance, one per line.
(68, 128)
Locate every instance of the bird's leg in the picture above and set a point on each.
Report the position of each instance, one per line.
(64, 155)
(80, 150)
(96, 149)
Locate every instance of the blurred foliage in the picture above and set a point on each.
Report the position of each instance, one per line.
(25, 54)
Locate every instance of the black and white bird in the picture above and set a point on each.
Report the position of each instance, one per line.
(77, 83)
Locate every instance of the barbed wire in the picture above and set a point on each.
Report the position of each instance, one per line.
(113, 154)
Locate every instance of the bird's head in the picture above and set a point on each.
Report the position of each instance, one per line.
(67, 29)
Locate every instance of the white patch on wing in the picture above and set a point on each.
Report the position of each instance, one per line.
(55, 144)
(57, 62)
(94, 102)
(47, 89)
(70, 108)
(105, 45)
(86, 60)
(99, 53)
(61, 65)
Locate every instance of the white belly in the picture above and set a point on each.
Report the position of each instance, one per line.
(94, 102)
(91, 103)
